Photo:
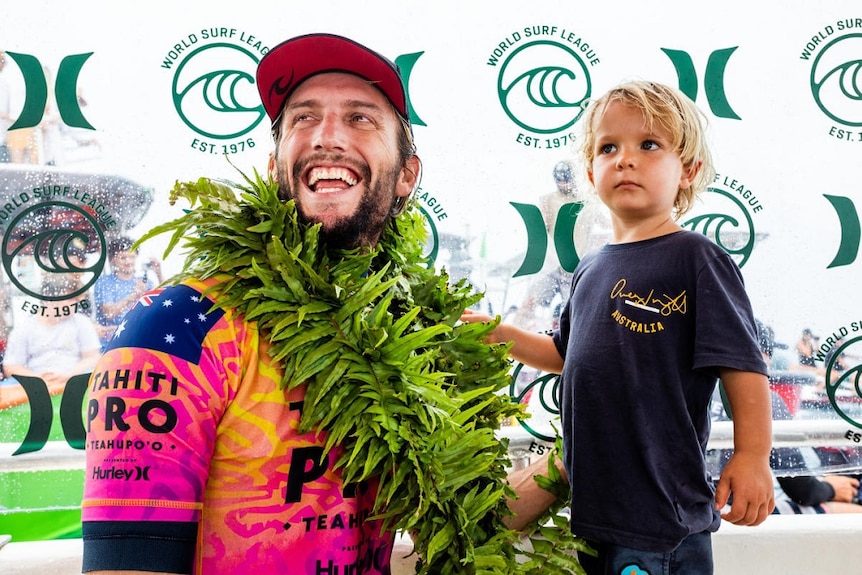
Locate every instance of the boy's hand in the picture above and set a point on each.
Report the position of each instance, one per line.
(472, 316)
(749, 479)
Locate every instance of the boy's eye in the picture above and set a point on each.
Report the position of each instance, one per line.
(606, 148)
(650, 145)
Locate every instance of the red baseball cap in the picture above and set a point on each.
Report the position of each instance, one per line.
(293, 61)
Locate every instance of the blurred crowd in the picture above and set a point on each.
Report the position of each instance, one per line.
(63, 333)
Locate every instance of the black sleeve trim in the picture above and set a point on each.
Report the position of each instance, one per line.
(139, 546)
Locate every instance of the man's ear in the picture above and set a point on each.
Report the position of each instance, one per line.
(409, 178)
(270, 167)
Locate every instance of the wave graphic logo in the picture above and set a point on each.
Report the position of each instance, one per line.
(836, 79)
(542, 393)
(47, 234)
(214, 91)
(431, 246)
(544, 86)
(844, 383)
(725, 220)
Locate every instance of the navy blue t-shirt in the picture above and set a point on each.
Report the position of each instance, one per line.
(645, 329)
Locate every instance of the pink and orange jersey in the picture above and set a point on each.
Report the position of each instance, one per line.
(194, 458)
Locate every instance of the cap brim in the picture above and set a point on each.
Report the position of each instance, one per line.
(295, 60)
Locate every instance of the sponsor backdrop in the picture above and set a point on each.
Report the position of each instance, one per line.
(121, 100)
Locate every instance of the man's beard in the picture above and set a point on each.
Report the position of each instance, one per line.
(361, 228)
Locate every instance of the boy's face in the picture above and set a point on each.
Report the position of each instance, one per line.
(338, 157)
(635, 171)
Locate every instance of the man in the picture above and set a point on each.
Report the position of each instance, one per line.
(194, 459)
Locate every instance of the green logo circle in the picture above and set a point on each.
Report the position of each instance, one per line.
(544, 87)
(725, 230)
(844, 383)
(51, 233)
(432, 245)
(836, 80)
(214, 93)
(542, 393)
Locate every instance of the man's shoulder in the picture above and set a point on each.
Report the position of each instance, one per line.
(175, 319)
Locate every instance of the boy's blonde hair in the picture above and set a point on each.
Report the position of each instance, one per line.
(672, 112)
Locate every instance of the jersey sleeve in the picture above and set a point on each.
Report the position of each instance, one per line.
(155, 399)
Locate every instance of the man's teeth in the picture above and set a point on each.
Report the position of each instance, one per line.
(342, 174)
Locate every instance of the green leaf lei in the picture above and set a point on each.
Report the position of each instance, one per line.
(410, 393)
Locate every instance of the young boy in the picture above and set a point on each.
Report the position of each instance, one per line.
(654, 318)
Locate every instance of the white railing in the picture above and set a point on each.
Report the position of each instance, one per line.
(787, 433)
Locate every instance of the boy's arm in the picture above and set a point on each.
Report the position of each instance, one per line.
(747, 475)
(534, 349)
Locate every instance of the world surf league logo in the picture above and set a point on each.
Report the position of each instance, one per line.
(544, 83)
(841, 354)
(53, 251)
(835, 55)
(213, 87)
(725, 214)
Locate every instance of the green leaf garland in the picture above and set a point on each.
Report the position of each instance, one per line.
(413, 396)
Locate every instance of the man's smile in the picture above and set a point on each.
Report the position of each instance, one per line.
(328, 179)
